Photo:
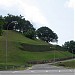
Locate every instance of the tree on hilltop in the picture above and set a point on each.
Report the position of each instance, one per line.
(46, 34)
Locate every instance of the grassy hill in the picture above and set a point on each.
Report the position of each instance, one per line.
(21, 49)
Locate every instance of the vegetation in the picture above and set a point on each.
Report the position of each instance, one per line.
(46, 34)
(70, 46)
(22, 45)
(0, 30)
(19, 56)
(30, 34)
(25, 27)
(67, 64)
(1, 25)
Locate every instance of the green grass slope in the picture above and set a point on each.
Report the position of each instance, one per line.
(67, 64)
(21, 49)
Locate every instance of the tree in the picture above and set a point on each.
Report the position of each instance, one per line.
(70, 46)
(28, 26)
(30, 34)
(0, 30)
(9, 18)
(23, 25)
(1, 24)
(46, 34)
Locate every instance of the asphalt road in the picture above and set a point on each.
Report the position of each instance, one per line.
(39, 72)
(41, 69)
(46, 67)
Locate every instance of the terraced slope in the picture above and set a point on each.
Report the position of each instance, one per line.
(21, 49)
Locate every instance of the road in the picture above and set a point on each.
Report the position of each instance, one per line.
(41, 69)
(46, 67)
(39, 72)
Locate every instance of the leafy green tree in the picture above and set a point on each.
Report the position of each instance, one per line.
(46, 34)
(28, 26)
(0, 30)
(9, 18)
(30, 34)
(23, 25)
(1, 24)
(70, 46)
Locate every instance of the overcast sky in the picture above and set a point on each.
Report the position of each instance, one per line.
(55, 14)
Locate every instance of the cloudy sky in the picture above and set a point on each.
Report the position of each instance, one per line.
(56, 14)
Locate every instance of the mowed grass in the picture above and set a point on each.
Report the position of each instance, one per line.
(18, 37)
(67, 64)
(15, 55)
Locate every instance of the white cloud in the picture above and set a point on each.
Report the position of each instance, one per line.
(31, 12)
(70, 3)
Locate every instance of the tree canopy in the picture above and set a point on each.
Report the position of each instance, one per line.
(70, 46)
(30, 34)
(1, 24)
(46, 34)
(25, 27)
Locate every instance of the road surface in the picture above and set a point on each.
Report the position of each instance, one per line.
(46, 67)
(41, 69)
(39, 72)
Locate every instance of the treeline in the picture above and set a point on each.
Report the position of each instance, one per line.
(19, 23)
(69, 46)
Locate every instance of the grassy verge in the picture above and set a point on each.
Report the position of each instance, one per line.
(67, 64)
(9, 66)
